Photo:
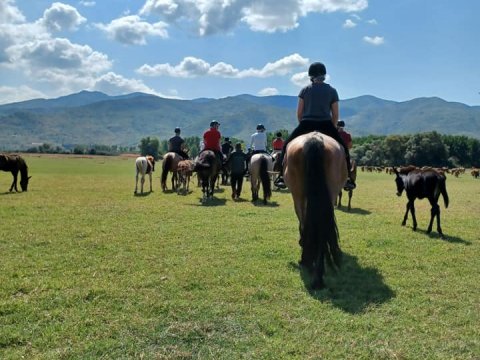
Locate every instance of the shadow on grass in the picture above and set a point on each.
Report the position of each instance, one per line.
(355, 211)
(211, 202)
(447, 238)
(259, 203)
(353, 288)
(146, 193)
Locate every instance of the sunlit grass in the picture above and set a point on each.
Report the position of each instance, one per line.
(88, 270)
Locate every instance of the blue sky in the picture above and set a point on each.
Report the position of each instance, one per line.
(393, 49)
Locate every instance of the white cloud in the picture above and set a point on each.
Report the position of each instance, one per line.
(372, 22)
(376, 40)
(61, 17)
(213, 16)
(132, 30)
(88, 3)
(9, 13)
(348, 24)
(15, 94)
(114, 84)
(193, 67)
(300, 79)
(268, 92)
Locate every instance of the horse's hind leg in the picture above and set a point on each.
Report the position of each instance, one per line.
(150, 178)
(136, 183)
(317, 282)
(14, 182)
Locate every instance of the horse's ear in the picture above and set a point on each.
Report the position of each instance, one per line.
(395, 170)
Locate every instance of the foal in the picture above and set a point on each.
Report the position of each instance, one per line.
(144, 165)
(422, 184)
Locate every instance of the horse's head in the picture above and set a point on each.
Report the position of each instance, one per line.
(399, 182)
(24, 183)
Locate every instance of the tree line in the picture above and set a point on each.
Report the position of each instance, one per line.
(422, 149)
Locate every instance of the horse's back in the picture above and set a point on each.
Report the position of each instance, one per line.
(333, 160)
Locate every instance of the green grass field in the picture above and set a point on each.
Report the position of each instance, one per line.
(88, 270)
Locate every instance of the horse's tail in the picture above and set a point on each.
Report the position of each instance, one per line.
(265, 178)
(167, 165)
(443, 190)
(320, 227)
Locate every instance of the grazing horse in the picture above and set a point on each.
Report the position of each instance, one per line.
(353, 176)
(315, 171)
(260, 166)
(185, 171)
(144, 165)
(170, 163)
(422, 184)
(207, 166)
(15, 163)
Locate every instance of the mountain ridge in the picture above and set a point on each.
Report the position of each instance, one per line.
(97, 118)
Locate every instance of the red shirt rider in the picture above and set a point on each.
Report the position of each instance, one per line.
(345, 135)
(211, 137)
(277, 144)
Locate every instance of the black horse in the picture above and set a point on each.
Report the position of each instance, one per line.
(207, 166)
(15, 163)
(422, 184)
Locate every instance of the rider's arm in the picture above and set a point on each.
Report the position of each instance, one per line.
(300, 106)
(334, 110)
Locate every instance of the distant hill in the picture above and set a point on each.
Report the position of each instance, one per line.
(97, 118)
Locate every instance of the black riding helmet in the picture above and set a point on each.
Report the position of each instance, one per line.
(279, 134)
(213, 123)
(177, 130)
(260, 127)
(317, 69)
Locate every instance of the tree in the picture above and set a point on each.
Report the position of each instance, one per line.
(149, 146)
(426, 149)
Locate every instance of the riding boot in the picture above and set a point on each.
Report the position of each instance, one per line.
(349, 184)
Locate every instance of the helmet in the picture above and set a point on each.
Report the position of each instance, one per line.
(341, 123)
(227, 139)
(260, 127)
(213, 123)
(279, 134)
(317, 69)
(177, 130)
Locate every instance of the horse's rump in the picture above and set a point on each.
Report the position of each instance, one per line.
(315, 171)
(260, 167)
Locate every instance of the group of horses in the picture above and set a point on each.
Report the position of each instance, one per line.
(315, 172)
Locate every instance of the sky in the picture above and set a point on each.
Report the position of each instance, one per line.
(185, 49)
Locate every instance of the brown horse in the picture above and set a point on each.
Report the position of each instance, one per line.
(170, 163)
(353, 176)
(15, 163)
(207, 166)
(315, 172)
(185, 172)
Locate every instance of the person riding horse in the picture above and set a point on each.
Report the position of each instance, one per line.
(176, 144)
(211, 140)
(317, 110)
(277, 143)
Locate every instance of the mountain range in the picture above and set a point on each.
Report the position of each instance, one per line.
(96, 118)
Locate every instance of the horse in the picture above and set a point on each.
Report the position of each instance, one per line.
(315, 171)
(276, 164)
(353, 176)
(260, 167)
(207, 166)
(15, 163)
(185, 171)
(422, 184)
(144, 165)
(170, 163)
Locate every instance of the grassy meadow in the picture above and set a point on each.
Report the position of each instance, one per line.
(88, 271)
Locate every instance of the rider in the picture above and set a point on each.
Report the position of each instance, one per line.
(176, 144)
(259, 140)
(211, 140)
(238, 167)
(345, 135)
(277, 143)
(227, 147)
(317, 110)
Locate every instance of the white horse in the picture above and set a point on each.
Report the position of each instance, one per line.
(144, 165)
